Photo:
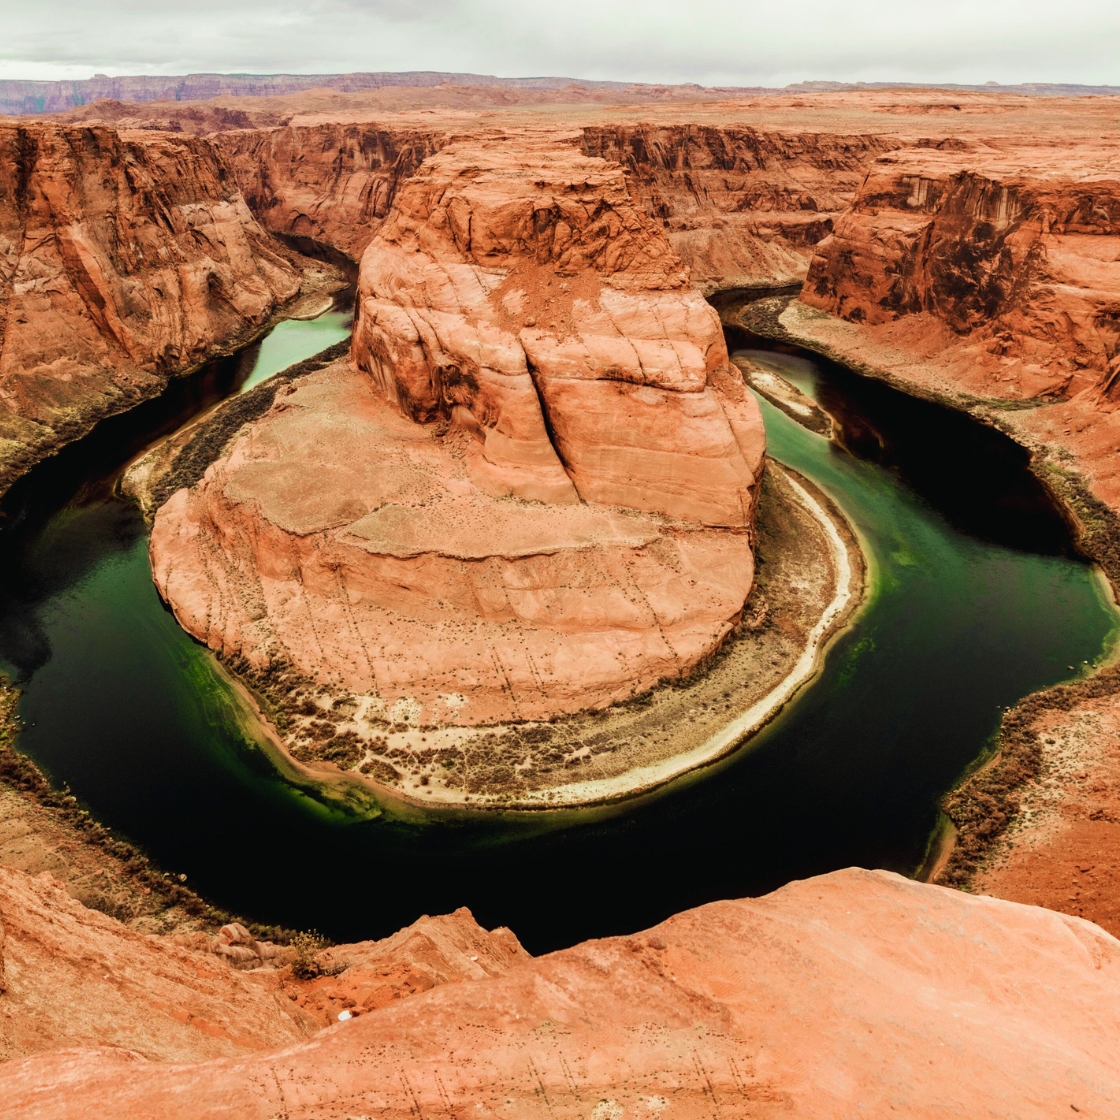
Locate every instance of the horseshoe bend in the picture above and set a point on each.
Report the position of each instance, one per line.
(530, 489)
(590, 508)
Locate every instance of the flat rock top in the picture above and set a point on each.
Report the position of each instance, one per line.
(334, 454)
(854, 993)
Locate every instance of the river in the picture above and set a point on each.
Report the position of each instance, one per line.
(976, 600)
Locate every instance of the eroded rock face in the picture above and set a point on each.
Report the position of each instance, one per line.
(1003, 264)
(74, 977)
(852, 993)
(71, 976)
(123, 259)
(535, 495)
(740, 206)
(518, 292)
(332, 183)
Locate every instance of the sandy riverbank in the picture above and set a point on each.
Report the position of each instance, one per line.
(811, 581)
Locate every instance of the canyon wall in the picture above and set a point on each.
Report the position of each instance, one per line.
(741, 207)
(854, 993)
(332, 183)
(124, 258)
(537, 493)
(987, 275)
(1006, 259)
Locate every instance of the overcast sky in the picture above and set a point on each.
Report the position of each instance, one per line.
(714, 42)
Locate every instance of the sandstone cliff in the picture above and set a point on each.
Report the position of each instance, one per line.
(855, 993)
(124, 258)
(332, 184)
(538, 494)
(1000, 265)
(740, 206)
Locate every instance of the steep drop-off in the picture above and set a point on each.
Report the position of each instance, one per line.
(71, 976)
(1002, 265)
(855, 993)
(124, 258)
(741, 207)
(537, 493)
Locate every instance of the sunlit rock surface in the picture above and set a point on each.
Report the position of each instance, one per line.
(537, 492)
(855, 993)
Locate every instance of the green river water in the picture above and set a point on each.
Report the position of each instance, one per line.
(975, 601)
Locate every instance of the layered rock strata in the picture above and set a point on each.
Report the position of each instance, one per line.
(124, 258)
(535, 494)
(740, 206)
(331, 184)
(855, 993)
(1001, 265)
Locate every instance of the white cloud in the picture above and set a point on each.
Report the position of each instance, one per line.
(710, 41)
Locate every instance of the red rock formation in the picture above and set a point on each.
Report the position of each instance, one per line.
(741, 207)
(124, 258)
(438, 535)
(517, 291)
(1000, 264)
(856, 993)
(369, 975)
(70, 976)
(332, 183)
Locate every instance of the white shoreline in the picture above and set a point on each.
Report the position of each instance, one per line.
(645, 778)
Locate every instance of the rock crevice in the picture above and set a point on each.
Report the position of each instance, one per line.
(534, 490)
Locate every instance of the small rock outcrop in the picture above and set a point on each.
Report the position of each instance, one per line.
(854, 993)
(535, 495)
(124, 259)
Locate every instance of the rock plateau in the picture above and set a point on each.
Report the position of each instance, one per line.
(535, 494)
(855, 993)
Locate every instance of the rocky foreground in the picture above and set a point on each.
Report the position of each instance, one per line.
(855, 993)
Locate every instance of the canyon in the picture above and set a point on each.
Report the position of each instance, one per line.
(533, 487)
(124, 261)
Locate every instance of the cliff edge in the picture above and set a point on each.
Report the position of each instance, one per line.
(531, 492)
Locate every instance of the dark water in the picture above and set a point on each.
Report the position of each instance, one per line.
(976, 601)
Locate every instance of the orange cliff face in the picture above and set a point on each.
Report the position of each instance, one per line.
(535, 495)
(854, 993)
(1000, 267)
(331, 183)
(124, 258)
(740, 206)
(989, 275)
